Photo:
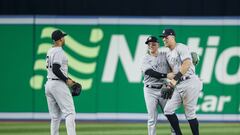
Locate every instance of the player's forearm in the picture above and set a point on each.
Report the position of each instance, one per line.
(155, 74)
(185, 66)
(56, 70)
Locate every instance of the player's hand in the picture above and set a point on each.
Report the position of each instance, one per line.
(170, 75)
(173, 83)
(70, 82)
(167, 91)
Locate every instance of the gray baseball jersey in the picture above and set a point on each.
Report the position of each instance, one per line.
(187, 91)
(158, 64)
(56, 55)
(177, 56)
(59, 98)
(152, 96)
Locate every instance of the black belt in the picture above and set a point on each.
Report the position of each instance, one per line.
(154, 87)
(184, 78)
(53, 79)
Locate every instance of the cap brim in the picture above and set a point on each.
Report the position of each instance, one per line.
(64, 35)
(151, 41)
(162, 36)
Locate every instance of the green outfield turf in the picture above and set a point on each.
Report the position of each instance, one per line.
(107, 128)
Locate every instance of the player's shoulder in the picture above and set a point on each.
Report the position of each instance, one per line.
(181, 46)
(163, 50)
(146, 56)
(55, 50)
(50, 50)
(58, 50)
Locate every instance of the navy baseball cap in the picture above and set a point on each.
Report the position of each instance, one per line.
(168, 32)
(151, 39)
(57, 34)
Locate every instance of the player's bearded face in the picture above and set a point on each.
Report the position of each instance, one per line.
(166, 41)
(169, 41)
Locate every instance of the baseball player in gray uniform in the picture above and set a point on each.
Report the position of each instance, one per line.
(186, 83)
(154, 69)
(58, 95)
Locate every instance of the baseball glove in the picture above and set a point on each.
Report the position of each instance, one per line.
(167, 91)
(195, 58)
(76, 89)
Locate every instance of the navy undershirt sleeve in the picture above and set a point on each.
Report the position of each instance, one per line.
(56, 70)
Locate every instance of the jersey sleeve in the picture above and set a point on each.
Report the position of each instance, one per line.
(145, 65)
(184, 52)
(58, 58)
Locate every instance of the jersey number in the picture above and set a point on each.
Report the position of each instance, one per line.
(49, 64)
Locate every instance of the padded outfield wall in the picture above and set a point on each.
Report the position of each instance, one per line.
(105, 56)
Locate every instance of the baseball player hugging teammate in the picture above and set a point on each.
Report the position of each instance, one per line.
(59, 97)
(183, 80)
(154, 69)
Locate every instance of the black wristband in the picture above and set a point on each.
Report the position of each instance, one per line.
(178, 76)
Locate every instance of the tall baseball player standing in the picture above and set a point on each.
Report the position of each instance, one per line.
(186, 83)
(154, 69)
(58, 95)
